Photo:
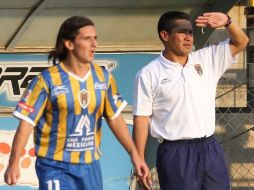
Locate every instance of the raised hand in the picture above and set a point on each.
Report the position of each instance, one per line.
(212, 20)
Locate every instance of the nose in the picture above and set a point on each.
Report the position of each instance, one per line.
(188, 36)
(94, 42)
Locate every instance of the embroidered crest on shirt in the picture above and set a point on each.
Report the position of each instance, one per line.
(84, 98)
(199, 69)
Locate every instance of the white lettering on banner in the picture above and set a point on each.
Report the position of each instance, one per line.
(16, 75)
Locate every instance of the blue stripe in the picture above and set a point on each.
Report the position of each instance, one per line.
(83, 85)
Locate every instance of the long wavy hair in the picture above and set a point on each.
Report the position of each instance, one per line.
(68, 31)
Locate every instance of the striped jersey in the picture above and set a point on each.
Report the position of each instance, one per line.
(67, 112)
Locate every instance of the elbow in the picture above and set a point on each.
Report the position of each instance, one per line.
(245, 41)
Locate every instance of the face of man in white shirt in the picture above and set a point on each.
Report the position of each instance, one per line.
(180, 39)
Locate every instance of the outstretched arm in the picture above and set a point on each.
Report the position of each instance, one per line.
(238, 39)
(12, 172)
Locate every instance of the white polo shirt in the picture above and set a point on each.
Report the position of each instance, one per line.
(181, 100)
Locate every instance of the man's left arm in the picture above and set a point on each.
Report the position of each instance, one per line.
(238, 39)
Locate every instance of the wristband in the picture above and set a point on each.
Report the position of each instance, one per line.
(229, 21)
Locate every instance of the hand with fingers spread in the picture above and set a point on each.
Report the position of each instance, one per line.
(212, 20)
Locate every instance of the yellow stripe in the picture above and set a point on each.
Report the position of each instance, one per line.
(98, 134)
(99, 73)
(113, 85)
(46, 134)
(90, 89)
(62, 106)
(77, 110)
(75, 87)
(75, 157)
(88, 157)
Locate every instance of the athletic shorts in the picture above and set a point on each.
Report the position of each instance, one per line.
(196, 164)
(55, 175)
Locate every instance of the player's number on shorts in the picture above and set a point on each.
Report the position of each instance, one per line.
(53, 185)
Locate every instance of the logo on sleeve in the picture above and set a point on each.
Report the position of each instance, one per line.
(26, 94)
(23, 106)
(116, 98)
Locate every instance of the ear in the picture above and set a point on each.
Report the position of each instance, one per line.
(68, 44)
(164, 35)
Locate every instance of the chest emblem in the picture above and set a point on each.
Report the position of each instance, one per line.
(199, 69)
(83, 98)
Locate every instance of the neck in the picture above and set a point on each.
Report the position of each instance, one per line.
(78, 68)
(182, 59)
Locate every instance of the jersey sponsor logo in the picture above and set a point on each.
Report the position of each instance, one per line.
(84, 98)
(100, 86)
(57, 90)
(83, 137)
(26, 107)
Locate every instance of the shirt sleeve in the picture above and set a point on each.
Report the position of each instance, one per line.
(32, 104)
(143, 98)
(114, 103)
(218, 58)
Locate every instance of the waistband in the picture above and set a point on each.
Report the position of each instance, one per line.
(188, 141)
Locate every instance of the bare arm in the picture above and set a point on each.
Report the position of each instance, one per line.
(238, 39)
(140, 134)
(120, 130)
(12, 173)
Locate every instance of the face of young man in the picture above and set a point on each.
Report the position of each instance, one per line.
(180, 39)
(84, 44)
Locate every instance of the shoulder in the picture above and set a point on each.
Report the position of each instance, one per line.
(51, 69)
(151, 67)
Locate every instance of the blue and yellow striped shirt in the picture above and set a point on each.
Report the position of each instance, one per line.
(67, 112)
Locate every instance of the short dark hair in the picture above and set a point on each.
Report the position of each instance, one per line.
(68, 31)
(167, 20)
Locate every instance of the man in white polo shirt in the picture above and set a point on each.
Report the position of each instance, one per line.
(175, 98)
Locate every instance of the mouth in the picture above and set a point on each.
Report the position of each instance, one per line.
(187, 46)
(91, 53)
